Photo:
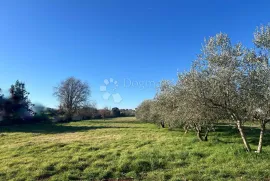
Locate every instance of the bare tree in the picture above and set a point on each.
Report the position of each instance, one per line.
(72, 94)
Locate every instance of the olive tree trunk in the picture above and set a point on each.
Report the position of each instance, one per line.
(240, 128)
(162, 123)
(259, 150)
(199, 135)
(206, 135)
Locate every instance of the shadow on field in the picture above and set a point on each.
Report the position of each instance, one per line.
(116, 122)
(50, 128)
(252, 133)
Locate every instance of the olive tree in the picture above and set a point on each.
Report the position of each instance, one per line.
(262, 38)
(192, 111)
(150, 111)
(143, 111)
(225, 82)
(221, 63)
(72, 94)
(259, 80)
(181, 105)
(165, 105)
(258, 94)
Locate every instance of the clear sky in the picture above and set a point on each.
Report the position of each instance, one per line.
(132, 41)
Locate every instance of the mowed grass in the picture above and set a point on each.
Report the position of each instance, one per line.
(124, 148)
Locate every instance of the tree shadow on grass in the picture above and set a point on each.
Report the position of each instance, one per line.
(252, 133)
(47, 128)
(110, 121)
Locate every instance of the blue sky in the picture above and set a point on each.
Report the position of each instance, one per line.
(132, 41)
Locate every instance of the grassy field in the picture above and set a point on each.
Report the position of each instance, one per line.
(125, 148)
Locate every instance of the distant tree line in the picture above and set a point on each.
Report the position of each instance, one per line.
(73, 96)
(226, 82)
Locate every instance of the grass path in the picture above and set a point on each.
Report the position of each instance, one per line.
(125, 148)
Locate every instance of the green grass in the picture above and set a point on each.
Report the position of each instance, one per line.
(125, 148)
